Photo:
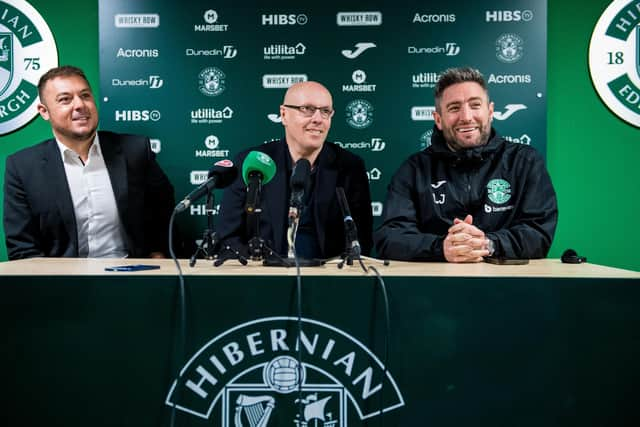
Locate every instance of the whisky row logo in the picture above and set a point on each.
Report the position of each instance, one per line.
(251, 375)
(614, 59)
(27, 50)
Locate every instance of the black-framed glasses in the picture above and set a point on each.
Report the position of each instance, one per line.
(310, 110)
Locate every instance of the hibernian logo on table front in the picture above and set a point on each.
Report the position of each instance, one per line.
(614, 59)
(27, 50)
(250, 375)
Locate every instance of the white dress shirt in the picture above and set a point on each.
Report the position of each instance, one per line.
(100, 232)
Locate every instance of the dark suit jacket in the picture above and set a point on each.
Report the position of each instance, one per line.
(39, 219)
(336, 168)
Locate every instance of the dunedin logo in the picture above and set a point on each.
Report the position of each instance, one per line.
(499, 191)
(27, 50)
(509, 48)
(614, 59)
(211, 81)
(359, 114)
(250, 375)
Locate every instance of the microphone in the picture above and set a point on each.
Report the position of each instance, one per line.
(299, 186)
(351, 232)
(258, 169)
(222, 174)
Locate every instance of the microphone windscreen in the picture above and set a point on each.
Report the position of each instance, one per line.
(225, 173)
(257, 161)
(300, 175)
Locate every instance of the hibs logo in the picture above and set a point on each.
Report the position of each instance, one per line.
(359, 114)
(250, 375)
(499, 191)
(614, 59)
(27, 50)
(211, 81)
(509, 48)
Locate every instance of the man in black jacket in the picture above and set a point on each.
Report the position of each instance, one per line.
(470, 194)
(306, 114)
(84, 193)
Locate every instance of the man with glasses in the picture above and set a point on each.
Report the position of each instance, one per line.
(306, 114)
(471, 194)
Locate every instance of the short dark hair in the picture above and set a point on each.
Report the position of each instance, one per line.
(452, 76)
(61, 71)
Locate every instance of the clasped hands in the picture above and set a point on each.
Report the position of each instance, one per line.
(465, 242)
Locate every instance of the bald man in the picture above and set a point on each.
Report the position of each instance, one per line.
(306, 113)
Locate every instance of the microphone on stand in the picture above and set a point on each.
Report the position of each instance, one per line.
(353, 248)
(221, 175)
(299, 186)
(257, 169)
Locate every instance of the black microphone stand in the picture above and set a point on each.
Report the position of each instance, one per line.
(258, 248)
(209, 241)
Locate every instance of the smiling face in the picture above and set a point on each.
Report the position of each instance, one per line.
(464, 115)
(306, 135)
(67, 103)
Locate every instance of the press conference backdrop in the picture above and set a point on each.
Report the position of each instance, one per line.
(204, 80)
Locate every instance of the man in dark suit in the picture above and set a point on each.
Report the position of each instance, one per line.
(306, 116)
(84, 193)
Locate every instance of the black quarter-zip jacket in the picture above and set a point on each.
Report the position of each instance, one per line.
(505, 187)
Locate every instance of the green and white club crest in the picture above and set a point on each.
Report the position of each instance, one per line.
(211, 81)
(614, 59)
(359, 114)
(27, 50)
(499, 191)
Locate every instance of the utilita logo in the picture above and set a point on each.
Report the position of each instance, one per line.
(283, 52)
(283, 19)
(508, 15)
(425, 80)
(208, 116)
(360, 48)
(449, 49)
(137, 115)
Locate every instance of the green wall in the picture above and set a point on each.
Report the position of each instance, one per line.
(591, 154)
